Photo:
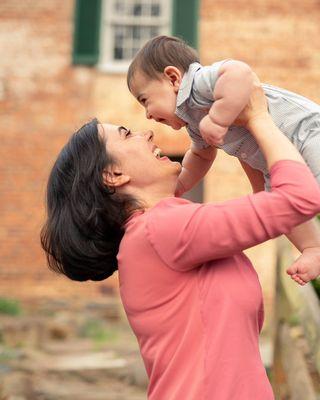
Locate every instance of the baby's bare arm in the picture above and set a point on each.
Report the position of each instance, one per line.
(195, 165)
(231, 94)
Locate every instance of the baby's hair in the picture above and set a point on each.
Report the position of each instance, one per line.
(158, 53)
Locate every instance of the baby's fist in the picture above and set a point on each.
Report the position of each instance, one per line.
(211, 132)
(306, 267)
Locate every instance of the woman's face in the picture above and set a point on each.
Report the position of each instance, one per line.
(138, 157)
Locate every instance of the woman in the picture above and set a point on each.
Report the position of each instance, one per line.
(192, 297)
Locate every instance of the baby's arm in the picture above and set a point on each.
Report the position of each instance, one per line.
(305, 237)
(231, 93)
(195, 165)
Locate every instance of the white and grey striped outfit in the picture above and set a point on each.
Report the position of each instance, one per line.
(296, 116)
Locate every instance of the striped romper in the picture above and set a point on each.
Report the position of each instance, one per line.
(296, 116)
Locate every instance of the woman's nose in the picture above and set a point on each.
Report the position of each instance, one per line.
(148, 135)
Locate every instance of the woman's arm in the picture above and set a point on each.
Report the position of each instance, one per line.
(274, 145)
(187, 235)
(305, 237)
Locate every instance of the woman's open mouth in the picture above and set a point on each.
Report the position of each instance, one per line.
(157, 153)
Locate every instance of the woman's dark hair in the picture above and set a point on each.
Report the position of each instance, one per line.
(158, 53)
(85, 218)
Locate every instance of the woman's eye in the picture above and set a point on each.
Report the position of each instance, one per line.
(124, 131)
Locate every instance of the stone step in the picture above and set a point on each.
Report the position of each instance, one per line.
(44, 386)
(90, 366)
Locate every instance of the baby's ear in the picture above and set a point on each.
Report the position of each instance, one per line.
(174, 75)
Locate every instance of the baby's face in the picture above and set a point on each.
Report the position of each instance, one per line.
(158, 97)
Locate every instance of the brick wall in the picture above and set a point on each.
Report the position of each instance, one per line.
(43, 99)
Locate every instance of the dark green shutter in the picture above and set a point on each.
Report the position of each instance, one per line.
(86, 32)
(185, 20)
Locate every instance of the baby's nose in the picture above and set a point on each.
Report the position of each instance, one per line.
(148, 115)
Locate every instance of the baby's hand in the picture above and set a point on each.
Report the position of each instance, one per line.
(211, 132)
(306, 267)
(256, 107)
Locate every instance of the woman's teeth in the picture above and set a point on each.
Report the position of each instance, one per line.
(157, 152)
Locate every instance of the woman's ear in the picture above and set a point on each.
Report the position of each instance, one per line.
(114, 178)
(174, 75)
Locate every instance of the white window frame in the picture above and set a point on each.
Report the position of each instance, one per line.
(106, 62)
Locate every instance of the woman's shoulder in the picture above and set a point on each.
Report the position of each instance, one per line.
(164, 213)
(168, 213)
(170, 202)
(169, 208)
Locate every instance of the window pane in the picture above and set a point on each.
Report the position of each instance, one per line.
(137, 9)
(119, 6)
(132, 23)
(134, 51)
(129, 39)
(155, 9)
(136, 32)
(118, 53)
(118, 36)
(154, 31)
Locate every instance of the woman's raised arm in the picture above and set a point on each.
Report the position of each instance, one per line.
(185, 235)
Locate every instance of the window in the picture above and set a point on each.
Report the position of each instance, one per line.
(109, 32)
(126, 25)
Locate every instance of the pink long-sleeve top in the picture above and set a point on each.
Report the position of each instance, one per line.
(193, 299)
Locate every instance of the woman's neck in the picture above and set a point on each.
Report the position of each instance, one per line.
(151, 199)
(148, 198)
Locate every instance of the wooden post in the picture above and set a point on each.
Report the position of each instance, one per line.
(296, 370)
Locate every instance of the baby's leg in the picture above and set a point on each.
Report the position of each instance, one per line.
(310, 151)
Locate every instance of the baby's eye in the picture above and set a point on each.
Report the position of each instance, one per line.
(127, 132)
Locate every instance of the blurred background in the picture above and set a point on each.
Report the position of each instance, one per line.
(63, 62)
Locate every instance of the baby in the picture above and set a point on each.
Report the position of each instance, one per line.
(166, 77)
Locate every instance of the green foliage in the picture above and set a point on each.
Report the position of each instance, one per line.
(316, 285)
(96, 330)
(294, 319)
(9, 306)
(316, 282)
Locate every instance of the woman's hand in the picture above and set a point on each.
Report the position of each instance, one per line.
(256, 108)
